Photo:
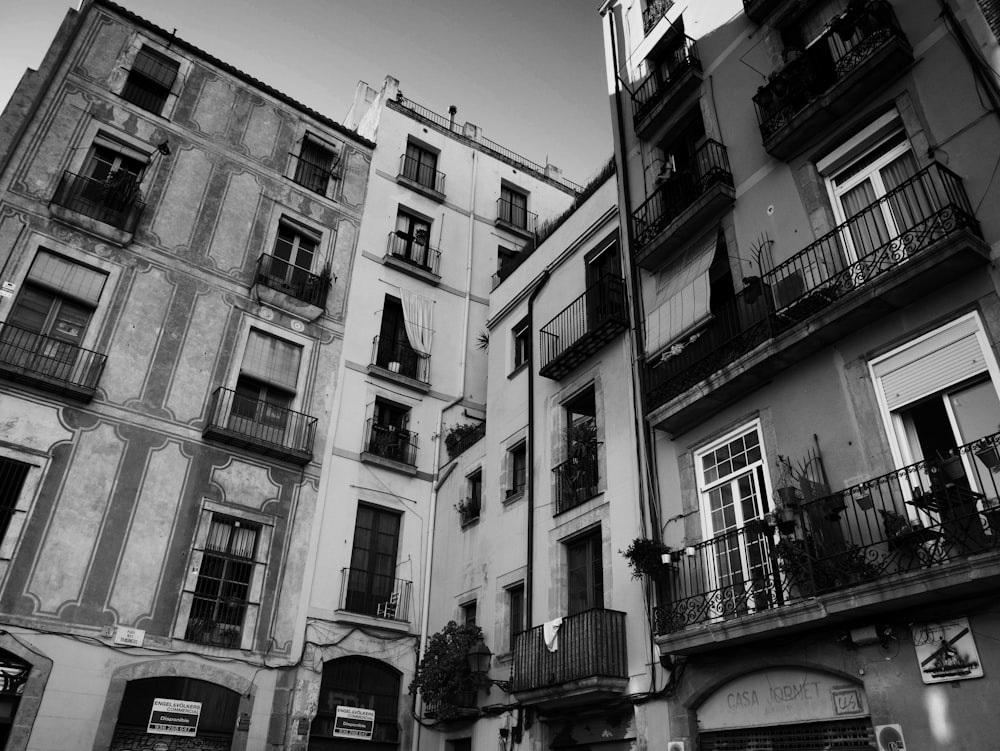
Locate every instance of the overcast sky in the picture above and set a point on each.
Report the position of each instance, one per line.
(530, 73)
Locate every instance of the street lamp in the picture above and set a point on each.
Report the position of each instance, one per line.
(479, 658)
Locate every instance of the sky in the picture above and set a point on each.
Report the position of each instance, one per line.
(530, 73)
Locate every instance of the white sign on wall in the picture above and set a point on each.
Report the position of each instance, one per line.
(129, 637)
(354, 722)
(174, 717)
(946, 651)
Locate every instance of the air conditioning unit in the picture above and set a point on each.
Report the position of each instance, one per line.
(676, 746)
(889, 738)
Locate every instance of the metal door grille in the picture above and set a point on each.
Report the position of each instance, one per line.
(842, 735)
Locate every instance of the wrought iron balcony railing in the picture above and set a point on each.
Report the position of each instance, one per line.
(658, 85)
(390, 442)
(591, 645)
(843, 47)
(681, 190)
(577, 481)
(261, 426)
(218, 620)
(297, 282)
(422, 174)
(312, 175)
(397, 356)
(379, 596)
(512, 215)
(927, 514)
(584, 326)
(48, 363)
(655, 10)
(883, 236)
(115, 200)
(413, 251)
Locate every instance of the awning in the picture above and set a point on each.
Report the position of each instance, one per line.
(683, 302)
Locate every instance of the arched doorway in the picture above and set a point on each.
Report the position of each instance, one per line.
(357, 682)
(13, 675)
(216, 721)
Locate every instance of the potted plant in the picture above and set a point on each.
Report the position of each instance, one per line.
(787, 493)
(951, 467)
(469, 509)
(986, 451)
(645, 558)
(834, 505)
(581, 441)
(786, 518)
(443, 676)
(454, 435)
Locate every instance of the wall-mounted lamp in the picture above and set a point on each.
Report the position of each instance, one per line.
(480, 658)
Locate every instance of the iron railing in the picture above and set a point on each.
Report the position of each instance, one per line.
(901, 225)
(292, 280)
(655, 10)
(368, 593)
(930, 513)
(260, 423)
(576, 482)
(516, 216)
(840, 50)
(312, 175)
(114, 201)
(408, 249)
(422, 174)
(390, 442)
(47, 361)
(680, 190)
(397, 356)
(218, 620)
(466, 441)
(601, 306)
(591, 645)
(657, 85)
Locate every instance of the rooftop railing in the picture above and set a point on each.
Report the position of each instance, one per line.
(114, 201)
(292, 280)
(49, 363)
(927, 514)
(367, 593)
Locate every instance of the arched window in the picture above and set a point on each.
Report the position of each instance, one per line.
(357, 682)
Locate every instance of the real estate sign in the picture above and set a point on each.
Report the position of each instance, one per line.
(174, 717)
(354, 722)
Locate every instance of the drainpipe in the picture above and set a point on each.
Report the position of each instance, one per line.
(439, 477)
(971, 55)
(529, 484)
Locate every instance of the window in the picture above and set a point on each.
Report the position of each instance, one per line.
(515, 608)
(585, 573)
(420, 166)
(513, 207)
(468, 613)
(388, 436)
(294, 255)
(393, 351)
(12, 476)
(732, 486)
(472, 504)
(411, 242)
(46, 326)
(372, 588)
(518, 469)
(357, 682)
(150, 81)
(521, 334)
(314, 165)
(224, 576)
(578, 476)
(265, 388)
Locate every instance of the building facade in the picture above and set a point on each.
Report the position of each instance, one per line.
(177, 240)
(808, 196)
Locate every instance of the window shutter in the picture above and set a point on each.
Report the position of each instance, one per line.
(272, 360)
(67, 278)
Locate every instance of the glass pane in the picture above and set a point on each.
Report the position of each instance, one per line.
(866, 221)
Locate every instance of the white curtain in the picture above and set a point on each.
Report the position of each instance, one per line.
(418, 318)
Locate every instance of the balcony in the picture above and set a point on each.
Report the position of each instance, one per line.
(892, 253)
(291, 288)
(49, 364)
(909, 538)
(583, 327)
(312, 175)
(109, 208)
(260, 426)
(390, 446)
(394, 359)
(516, 218)
(218, 621)
(420, 177)
(577, 481)
(658, 102)
(683, 205)
(366, 593)
(413, 256)
(655, 10)
(590, 666)
(861, 52)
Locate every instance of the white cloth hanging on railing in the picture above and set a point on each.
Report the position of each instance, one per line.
(418, 318)
(550, 634)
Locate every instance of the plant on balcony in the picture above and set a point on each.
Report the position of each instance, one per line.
(443, 677)
(454, 435)
(787, 493)
(469, 508)
(582, 443)
(804, 568)
(645, 558)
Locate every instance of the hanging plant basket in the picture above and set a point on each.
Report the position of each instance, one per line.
(989, 456)
(789, 496)
(645, 558)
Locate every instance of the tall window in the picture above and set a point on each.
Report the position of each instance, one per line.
(733, 490)
(468, 613)
(371, 582)
(412, 240)
(389, 436)
(518, 460)
(521, 335)
(472, 504)
(266, 387)
(294, 253)
(357, 682)
(107, 188)
(515, 609)
(12, 476)
(420, 166)
(150, 81)
(514, 207)
(578, 476)
(394, 352)
(585, 570)
(315, 164)
(222, 592)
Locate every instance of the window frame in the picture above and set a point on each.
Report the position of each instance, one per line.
(518, 448)
(296, 171)
(520, 334)
(26, 494)
(169, 94)
(422, 150)
(467, 608)
(508, 192)
(588, 541)
(515, 615)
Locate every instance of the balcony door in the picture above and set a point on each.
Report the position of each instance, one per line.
(413, 237)
(733, 489)
(585, 573)
(294, 252)
(371, 581)
(265, 389)
(604, 300)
